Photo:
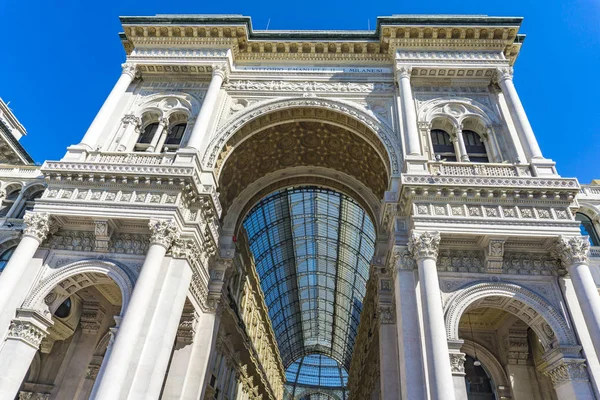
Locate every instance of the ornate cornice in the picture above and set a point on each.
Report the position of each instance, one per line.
(37, 225)
(424, 245)
(573, 250)
(163, 231)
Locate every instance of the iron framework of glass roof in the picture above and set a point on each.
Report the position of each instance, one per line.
(312, 249)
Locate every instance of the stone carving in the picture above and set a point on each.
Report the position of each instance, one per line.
(73, 240)
(92, 371)
(530, 264)
(130, 69)
(27, 332)
(424, 245)
(24, 395)
(573, 250)
(91, 318)
(129, 243)
(457, 363)
(222, 70)
(566, 371)
(37, 225)
(386, 313)
(460, 261)
(310, 86)
(164, 232)
(502, 74)
(403, 71)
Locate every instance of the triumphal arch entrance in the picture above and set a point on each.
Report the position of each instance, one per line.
(303, 215)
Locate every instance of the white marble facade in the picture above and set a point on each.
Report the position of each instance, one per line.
(125, 268)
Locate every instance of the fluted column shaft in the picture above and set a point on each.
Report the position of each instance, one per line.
(163, 234)
(573, 253)
(424, 248)
(199, 135)
(517, 112)
(91, 137)
(409, 115)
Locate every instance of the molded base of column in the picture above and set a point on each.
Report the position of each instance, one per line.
(416, 165)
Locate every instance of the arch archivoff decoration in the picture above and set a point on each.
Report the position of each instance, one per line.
(119, 274)
(546, 321)
(384, 132)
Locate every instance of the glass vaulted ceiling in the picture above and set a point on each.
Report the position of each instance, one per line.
(312, 248)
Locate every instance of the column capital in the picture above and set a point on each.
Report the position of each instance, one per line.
(424, 245)
(503, 74)
(131, 119)
(37, 225)
(164, 232)
(222, 70)
(403, 71)
(566, 370)
(130, 69)
(457, 363)
(386, 313)
(402, 260)
(572, 250)
(29, 327)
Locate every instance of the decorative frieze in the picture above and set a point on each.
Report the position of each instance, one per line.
(530, 264)
(309, 86)
(129, 243)
(460, 261)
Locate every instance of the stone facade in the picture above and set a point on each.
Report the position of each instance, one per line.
(127, 272)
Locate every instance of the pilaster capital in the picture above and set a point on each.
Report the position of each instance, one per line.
(386, 313)
(567, 370)
(503, 74)
(37, 225)
(457, 363)
(402, 260)
(131, 119)
(130, 69)
(424, 245)
(164, 232)
(572, 250)
(163, 121)
(29, 327)
(222, 70)
(403, 71)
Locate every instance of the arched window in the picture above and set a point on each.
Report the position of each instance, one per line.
(587, 228)
(442, 145)
(475, 147)
(5, 257)
(8, 201)
(175, 135)
(148, 134)
(479, 384)
(29, 203)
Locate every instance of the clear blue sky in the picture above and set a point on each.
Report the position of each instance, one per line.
(60, 59)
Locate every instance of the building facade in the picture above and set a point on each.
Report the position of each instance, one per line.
(301, 215)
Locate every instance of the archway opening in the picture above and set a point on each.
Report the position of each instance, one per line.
(312, 248)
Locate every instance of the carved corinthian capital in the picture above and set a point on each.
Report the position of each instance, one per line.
(222, 70)
(572, 250)
(164, 232)
(424, 245)
(129, 69)
(502, 74)
(567, 370)
(403, 71)
(29, 326)
(37, 225)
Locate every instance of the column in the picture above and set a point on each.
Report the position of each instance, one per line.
(457, 364)
(199, 136)
(152, 367)
(130, 130)
(517, 112)
(388, 338)
(412, 378)
(91, 137)
(568, 373)
(573, 252)
(409, 115)
(36, 230)
(164, 232)
(462, 154)
(24, 337)
(162, 124)
(100, 373)
(424, 248)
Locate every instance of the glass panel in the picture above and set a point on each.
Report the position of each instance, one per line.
(176, 134)
(475, 147)
(148, 134)
(587, 228)
(442, 145)
(5, 257)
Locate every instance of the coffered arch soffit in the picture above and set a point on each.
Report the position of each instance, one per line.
(299, 176)
(457, 113)
(534, 310)
(298, 142)
(345, 114)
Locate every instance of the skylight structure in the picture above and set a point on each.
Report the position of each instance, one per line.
(312, 248)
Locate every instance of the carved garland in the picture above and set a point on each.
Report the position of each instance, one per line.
(230, 128)
(466, 296)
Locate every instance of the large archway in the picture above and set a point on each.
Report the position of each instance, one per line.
(301, 192)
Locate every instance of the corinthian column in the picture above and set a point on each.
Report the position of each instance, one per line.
(424, 248)
(199, 136)
(164, 232)
(91, 137)
(573, 252)
(409, 115)
(37, 226)
(517, 112)
(24, 337)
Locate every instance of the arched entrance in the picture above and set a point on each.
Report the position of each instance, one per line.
(81, 303)
(301, 190)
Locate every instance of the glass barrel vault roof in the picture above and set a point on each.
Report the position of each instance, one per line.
(312, 249)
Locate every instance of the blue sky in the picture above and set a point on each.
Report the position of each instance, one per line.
(60, 59)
